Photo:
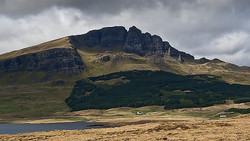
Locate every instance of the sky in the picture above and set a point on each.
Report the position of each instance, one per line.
(203, 28)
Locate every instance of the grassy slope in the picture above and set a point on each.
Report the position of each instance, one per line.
(126, 61)
(34, 94)
(33, 100)
(211, 112)
(25, 95)
(119, 62)
(29, 94)
(233, 75)
(58, 43)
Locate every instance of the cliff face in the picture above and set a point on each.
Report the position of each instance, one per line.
(61, 56)
(106, 37)
(132, 41)
(143, 44)
(60, 60)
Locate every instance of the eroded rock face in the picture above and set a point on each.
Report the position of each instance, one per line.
(156, 46)
(132, 41)
(143, 44)
(175, 53)
(113, 36)
(180, 59)
(60, 60)
(105, 37)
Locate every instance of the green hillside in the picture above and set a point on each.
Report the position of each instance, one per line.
(34, 100)
(35, 81)
(142, 88)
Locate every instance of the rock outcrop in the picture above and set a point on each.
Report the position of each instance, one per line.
(172, 52)
(59, 60)
(180, 59)
(134, 42)
(106, 37)
(203, 60)
(131, 41)
(143, 44)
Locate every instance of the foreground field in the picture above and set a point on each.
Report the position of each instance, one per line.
(154, 123)
(237, 128)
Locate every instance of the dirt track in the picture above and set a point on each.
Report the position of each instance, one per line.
(237, 128)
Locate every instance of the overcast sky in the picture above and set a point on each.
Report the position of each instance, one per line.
(203, 28)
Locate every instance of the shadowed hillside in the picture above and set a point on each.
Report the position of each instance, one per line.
(143, 88)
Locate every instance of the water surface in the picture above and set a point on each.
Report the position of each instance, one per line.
(24, 128)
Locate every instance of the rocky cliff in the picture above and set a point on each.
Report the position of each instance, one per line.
(59, 60)
(108, 37)
(131, 41)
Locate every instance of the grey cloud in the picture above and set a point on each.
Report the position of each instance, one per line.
(17, 8)
(194, 26)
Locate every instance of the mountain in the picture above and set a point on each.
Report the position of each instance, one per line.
(35, 81)
(63, 55)
(112, 49)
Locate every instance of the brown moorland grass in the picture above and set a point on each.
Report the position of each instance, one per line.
(58, 43)
(228, 129)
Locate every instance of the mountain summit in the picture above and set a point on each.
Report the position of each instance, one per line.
(131, 41)
(112, 49)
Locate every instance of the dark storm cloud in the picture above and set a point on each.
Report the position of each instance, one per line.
(204, 28)
(93, 7)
